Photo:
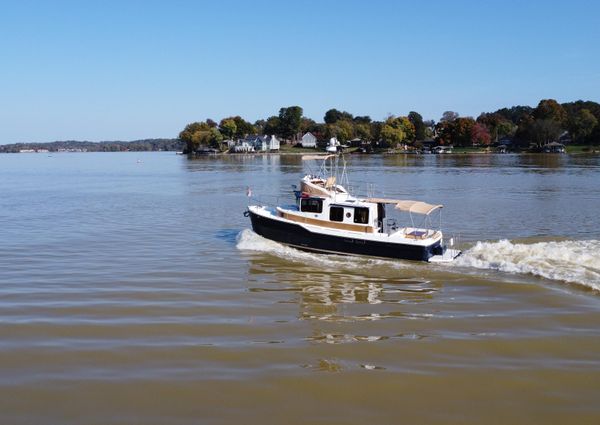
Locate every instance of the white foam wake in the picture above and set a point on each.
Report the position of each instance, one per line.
(567, 261)
(247, 240)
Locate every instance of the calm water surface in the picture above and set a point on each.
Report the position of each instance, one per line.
(131, 291)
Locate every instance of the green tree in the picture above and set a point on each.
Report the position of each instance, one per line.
(363, 131)
(417, 121)
(581, 125)
(272, 126)
(376, 127)
(214, 139)
(515, 114)
(365, 119)
(190, 135)
(391, 136)
(342, 130)
(228, 127)
(307, 124)
(259, 126)
(550, 109)
(397, 130)
(544, 131)
(345, 130)
(290, 119)
(333, 115)
(449, 116)
(200, 134)
(456, 132)
(244, 128)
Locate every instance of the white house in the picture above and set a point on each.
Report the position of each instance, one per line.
(273, 143)
(309, 140)
(243, 145)
(266, 143)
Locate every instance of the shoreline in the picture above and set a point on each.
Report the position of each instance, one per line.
(222, 154)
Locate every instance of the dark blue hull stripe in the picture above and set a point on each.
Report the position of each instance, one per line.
(297, 236)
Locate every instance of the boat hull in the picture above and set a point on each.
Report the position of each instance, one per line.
(297, 236)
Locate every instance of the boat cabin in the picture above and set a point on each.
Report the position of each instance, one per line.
(360, 215)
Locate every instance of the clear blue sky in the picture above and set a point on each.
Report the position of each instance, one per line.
(124, 70)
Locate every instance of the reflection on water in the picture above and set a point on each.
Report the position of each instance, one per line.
(341, 290)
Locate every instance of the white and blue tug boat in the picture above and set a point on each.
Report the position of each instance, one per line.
(327, 218)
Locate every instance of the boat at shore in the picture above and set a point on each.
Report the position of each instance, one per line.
(327, 218)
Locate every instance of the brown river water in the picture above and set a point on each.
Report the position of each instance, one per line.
(133, 292)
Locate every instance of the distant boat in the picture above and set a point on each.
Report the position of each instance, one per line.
(333, 145)
(442, 149)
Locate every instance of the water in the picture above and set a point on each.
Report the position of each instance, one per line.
(132, 291)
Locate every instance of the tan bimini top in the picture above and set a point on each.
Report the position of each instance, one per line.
(317, 157)
(417, 207)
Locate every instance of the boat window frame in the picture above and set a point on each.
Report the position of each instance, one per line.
(340, 218)
(318, 202)
(358, 216)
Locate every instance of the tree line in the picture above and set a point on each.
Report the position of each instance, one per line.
(523, 126)
(113, 146)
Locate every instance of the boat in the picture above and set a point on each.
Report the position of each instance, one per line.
(327, 218)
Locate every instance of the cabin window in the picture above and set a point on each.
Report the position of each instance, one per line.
(313, 205)
(336, 214)
(361, 215)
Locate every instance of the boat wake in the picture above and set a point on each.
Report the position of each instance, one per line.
(247, 240)
(567, 261)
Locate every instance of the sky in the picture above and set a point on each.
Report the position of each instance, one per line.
(127, 70)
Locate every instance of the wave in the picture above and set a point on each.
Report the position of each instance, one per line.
(567, 261)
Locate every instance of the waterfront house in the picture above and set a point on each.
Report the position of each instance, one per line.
(273, 143)
(258, 144)
(244, 145)
(266, 144)
(309, 140)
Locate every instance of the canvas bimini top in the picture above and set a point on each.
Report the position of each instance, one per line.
(317, 157)
(417, 207)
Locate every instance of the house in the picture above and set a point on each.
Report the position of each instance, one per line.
(258, 144)
(309, 140)
(273, 143)
(266, 143)
(244, 145)
(251, 143)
